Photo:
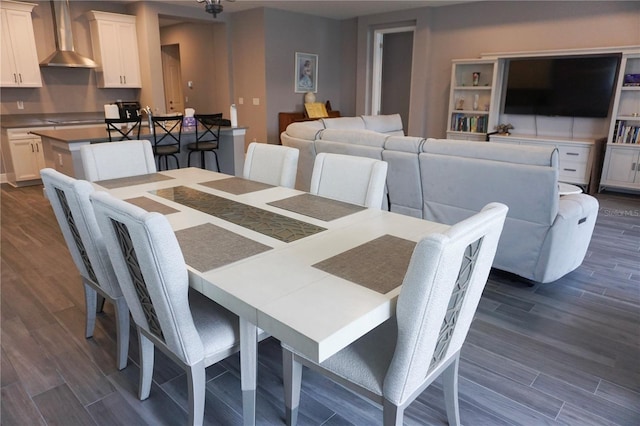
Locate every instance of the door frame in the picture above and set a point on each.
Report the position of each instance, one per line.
(378, 52)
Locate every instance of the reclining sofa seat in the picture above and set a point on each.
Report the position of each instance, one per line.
(545, 236)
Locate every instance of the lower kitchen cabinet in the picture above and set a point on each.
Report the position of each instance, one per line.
(24, 157)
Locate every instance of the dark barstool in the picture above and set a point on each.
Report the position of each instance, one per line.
(167, 131)
(207, 137)
(130, 131)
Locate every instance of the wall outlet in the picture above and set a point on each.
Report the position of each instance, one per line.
(256, 101)
(20, 105)
(241, 101)
(60, 160)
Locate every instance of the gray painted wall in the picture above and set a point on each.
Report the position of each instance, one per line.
(261, 45)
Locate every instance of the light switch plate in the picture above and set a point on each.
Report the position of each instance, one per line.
(241, 101)
(256, 101)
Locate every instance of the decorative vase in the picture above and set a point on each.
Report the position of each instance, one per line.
(309, 98)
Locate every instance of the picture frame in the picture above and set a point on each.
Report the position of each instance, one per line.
(306, 72)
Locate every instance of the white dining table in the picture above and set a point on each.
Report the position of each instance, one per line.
(284, 289)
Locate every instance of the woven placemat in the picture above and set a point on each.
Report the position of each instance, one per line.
(379, 264)
(151, 205)
(266, 222)
(236, 185)
(317, 207)
(132, 180)
(208, 246)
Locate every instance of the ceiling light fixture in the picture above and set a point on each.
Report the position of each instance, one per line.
(212, 6)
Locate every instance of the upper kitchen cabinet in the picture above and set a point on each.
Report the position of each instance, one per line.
(18, 57)
(115, 48)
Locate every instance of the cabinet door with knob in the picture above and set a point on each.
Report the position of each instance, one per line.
(19, 58)
(28, 158)
(115, 47)
(622, 167)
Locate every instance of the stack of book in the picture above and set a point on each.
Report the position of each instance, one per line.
(626, 133)
(469, 123)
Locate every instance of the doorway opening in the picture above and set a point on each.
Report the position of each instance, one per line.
(172, 79)
(391, 77)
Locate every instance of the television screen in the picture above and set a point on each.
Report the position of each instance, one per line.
(574, 86)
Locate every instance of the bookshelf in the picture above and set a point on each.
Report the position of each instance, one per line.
(621, 168)
(472, 101)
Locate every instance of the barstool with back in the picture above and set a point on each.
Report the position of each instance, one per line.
(167, 132)
(121, 129)
(207, 137)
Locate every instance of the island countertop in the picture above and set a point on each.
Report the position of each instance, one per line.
(62, 147)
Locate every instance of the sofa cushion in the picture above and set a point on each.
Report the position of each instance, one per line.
(537, 156)
(347, 123)
(357, 137)
(390, 124)
(410, 144)
(307, 130)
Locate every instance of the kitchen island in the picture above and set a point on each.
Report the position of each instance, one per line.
(62, 148)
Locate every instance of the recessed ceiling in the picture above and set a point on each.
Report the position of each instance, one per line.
(344, 9)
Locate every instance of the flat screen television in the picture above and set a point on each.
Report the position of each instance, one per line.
(573, 86)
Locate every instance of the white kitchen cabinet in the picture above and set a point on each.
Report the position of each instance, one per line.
(18, 56)
(115, 48)
(575, 156)
(23, 155)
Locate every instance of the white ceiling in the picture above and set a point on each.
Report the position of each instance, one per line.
(343, 9)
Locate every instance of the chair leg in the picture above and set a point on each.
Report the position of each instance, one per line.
(392, 415)
(217, 164)
(292, 378)
(175, 158)
(90, 300)
(450, 386)
(202, 163)
(189, 159)
(146, 365)
(122, 330)
(100, 303)
(196, 378)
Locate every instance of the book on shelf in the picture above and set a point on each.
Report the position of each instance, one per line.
(461, 122)
(626, 133)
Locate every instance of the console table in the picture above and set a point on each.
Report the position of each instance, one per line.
(286, 118)
(575, 159)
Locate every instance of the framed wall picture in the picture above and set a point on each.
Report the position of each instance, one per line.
(306, 72)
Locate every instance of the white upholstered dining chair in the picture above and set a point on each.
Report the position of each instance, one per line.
(393, 364)
(271, 164)
(112, 160)
(73, 210)
(355, 180)
(192, 330)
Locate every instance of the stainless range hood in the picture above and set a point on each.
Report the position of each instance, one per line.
(65, 55)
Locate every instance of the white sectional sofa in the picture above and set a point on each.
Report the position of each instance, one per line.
(545, 236)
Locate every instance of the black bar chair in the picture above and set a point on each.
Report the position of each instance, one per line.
(167, 132)
(207, 137)
(121, 129)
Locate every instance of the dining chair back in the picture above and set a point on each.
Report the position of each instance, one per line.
(207, 138)
(69, 198)
(167, 135)
(271, 164)
(113, 160)
(393, 364)
(192, 330)
(120, 129)
(356, 180)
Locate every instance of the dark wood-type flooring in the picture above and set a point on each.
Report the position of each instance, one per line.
(561, 353)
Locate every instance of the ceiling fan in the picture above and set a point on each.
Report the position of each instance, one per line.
(213, 6)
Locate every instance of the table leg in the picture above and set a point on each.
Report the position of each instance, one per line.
(248, 370)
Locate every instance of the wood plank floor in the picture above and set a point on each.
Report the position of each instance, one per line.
(561, 353)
